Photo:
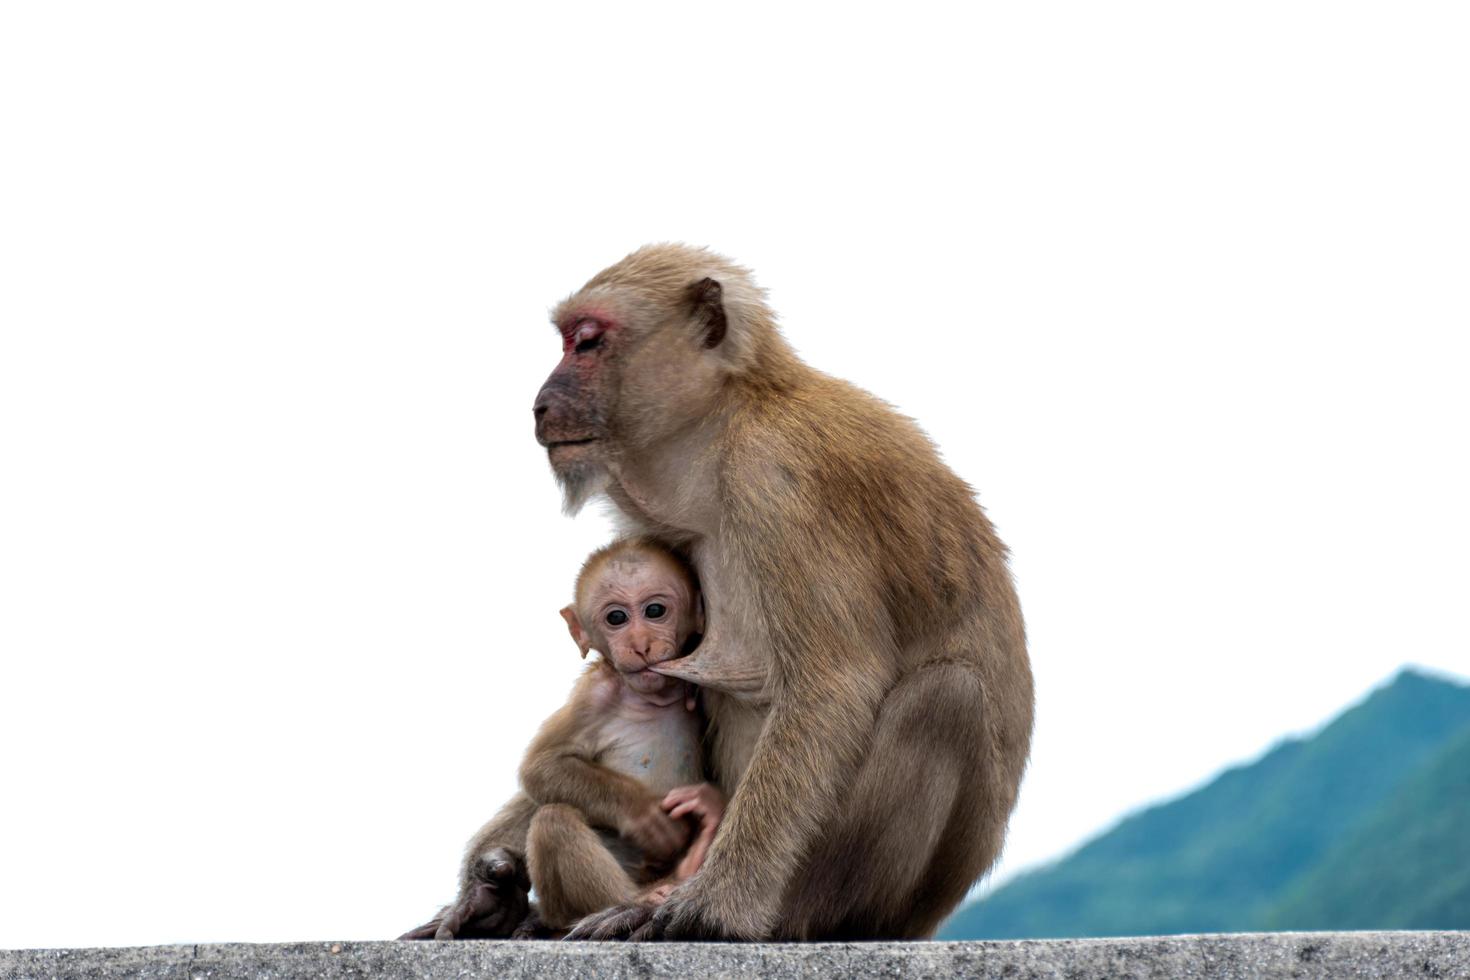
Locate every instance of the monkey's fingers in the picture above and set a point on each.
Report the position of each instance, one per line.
(688, 806)
(425, 931)
(474, 905)
(707, 797)
(680, 921)
(613, 924)
(649, 932)
(683, 794)
(449, 928)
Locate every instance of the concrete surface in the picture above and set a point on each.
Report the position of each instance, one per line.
(1268, 955)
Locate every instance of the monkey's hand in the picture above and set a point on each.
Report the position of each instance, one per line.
(658, 835)
(706, 804)
(493, 903)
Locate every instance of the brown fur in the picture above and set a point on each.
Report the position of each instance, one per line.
(876, 757)
(573, 870)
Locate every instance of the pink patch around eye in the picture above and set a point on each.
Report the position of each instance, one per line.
(581, 330)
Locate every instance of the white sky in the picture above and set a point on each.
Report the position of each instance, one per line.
(1182, 289)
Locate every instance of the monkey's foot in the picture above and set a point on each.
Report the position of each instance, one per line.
(674, 921)
(491, 908)
(683, 922)
(614, 924)
(425, 931)
(534, 927)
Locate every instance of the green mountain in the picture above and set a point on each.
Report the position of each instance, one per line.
(1406, 867)
(1274, 844)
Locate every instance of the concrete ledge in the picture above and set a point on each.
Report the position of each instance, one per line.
(1265, 955)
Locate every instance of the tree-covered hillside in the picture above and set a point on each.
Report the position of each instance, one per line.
(1407, 867)
(1275, 844)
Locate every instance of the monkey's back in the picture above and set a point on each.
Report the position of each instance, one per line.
(899, 518)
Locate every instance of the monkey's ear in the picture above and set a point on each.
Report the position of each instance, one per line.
(698, 613)
(708, 300)
(574, 626)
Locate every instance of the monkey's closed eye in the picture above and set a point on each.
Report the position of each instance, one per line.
(588, 336)
(616, 618)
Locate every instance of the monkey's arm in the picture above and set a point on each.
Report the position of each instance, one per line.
(808, 751)
(561, 767)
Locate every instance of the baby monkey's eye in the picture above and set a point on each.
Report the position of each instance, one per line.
(654, 610)
(617, 618)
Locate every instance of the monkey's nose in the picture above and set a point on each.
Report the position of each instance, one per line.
(543, 404)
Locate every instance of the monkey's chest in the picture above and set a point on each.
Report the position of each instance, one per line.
(661, 753)
(734, 656)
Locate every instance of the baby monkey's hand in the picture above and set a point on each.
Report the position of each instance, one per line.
(706, 804)
(659, 835)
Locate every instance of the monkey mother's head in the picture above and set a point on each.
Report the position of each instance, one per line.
(649, 348)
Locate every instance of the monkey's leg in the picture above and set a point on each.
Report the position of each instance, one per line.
(918, 825)
(572, 871)
(909, 809)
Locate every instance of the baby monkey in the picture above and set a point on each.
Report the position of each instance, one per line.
(616, 776)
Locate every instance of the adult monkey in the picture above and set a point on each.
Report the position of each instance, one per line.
(869, 692)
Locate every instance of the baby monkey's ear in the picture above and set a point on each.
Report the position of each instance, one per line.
(574, 626)
(698, 613)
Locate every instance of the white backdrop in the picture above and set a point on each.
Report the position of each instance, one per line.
(1180, 289)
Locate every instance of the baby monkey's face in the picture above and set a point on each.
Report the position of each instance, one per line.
(639, 611)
